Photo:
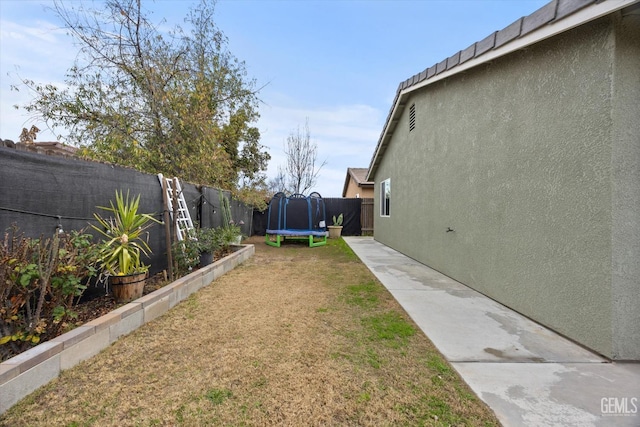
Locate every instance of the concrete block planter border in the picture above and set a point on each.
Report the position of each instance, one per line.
(26, 372)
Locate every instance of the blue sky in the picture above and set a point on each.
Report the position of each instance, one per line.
(337, 63)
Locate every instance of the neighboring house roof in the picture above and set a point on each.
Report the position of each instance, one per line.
(359, 176)
(551, 19)
(48, 147)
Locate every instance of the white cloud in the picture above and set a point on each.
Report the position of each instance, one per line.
(346, 136)
(39, 51)
(41, 47)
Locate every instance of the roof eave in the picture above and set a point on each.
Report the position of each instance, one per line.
(346, 182)
(428, 77)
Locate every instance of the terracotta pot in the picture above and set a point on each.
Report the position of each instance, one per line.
(127, 288)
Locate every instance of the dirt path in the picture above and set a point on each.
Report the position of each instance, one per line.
(288, 338)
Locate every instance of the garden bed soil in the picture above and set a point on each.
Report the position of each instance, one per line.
(101, 303)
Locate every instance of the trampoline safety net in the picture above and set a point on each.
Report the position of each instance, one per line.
(296, 216)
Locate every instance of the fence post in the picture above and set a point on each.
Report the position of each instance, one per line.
(167, 227)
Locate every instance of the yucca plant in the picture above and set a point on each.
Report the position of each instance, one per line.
(123, 236)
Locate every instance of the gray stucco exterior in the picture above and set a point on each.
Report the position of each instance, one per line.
(533, 160)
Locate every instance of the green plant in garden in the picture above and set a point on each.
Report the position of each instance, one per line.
(230, 231)
(209, 239)
(337, 221)
(77, 261)
(123, 236)
(40, 280)
(186, 253)
(225, 209)
(229, 235)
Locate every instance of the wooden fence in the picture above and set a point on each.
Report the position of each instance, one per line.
(366, 217)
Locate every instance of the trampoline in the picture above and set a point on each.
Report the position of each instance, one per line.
(296, 217)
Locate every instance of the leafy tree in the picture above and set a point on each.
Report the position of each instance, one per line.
(178, 103)
(300, 173)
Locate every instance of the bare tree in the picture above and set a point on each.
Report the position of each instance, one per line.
(277, 184)
(300, 170)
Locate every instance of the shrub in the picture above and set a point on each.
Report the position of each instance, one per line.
(229, 235)
(40, 280)
(185, 255)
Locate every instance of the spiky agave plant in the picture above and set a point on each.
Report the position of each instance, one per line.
(124, 236)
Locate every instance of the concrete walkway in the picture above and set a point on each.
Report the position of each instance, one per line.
(527, 374)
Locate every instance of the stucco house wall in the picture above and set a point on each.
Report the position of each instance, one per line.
(354, 190)
(533, 160)
(356, 185)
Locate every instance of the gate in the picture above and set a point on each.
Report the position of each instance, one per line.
(366, 217)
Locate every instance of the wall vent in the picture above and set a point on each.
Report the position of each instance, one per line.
(412, 117)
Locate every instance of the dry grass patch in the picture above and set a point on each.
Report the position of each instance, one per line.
(295, 336)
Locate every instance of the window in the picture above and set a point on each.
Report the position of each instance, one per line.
(412, 117)
(385, 196)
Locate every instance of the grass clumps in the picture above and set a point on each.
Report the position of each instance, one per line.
(217, 396)
(389, 328)
(364, 295)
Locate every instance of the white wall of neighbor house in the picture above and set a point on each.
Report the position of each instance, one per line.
(533, 161)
